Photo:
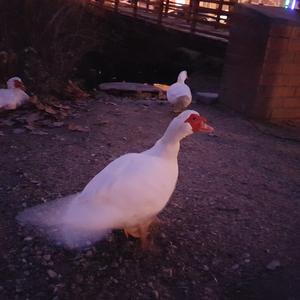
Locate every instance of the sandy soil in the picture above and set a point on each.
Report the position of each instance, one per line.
(231, 229)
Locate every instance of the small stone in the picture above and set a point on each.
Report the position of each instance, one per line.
(18, 130)
(114, 280)
(235, 267)
(58, 124)
(79, 278)
(205, 268)
(102, 268)
(168, 272)
(274, 264)
(52, 274)
(89, 253)
(247, 260)
(47, 257)
(156, 294)
(28, 238)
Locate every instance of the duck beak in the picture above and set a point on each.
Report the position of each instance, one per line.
(206, 128)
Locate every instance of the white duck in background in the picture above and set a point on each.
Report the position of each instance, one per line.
(14, 95)
(179, 94)
(127, 194)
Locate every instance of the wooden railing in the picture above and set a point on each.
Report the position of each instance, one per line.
(211, 17)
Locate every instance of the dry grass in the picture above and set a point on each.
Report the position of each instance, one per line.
(45, 39)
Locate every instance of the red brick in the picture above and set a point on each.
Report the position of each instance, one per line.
(291, 69)
(275, 79)
(278, 91)
(296, 33)
(278, 43)
(280, 30)
(294, 45)
(272, 68)
(285, 113)
(291, 102)
(279, 56)
(297, 57)
(294, 80)
(297, 92)
(276, 102)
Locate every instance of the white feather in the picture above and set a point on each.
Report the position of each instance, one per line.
(12, 97)
(130, 190)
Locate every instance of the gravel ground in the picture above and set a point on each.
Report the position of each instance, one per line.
(230, 231)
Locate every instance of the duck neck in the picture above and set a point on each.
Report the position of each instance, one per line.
(168, 146)
(181, 77)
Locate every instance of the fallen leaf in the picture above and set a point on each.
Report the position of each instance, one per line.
(101, 122)
(18, 130)
(274, 264)
(58, 105)
(33, 117)
(41, 106)
(50, 110)
(30, 127)
(58, 124)
(64, 113)
(8, 122)
(74, 91)
(39, 132)
(34, 99)
(51, 273)
(76, 127)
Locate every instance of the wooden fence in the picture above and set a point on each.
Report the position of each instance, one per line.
(211, 17)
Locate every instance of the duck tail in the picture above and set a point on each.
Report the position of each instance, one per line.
(50, 220)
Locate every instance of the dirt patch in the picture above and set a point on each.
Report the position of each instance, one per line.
(234, 211)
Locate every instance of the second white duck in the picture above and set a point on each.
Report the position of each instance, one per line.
(179, 93)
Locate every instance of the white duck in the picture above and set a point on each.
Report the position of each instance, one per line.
(127, 194)
(179, 94)
(14, 95)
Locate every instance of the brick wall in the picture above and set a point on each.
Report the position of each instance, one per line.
(262, 68)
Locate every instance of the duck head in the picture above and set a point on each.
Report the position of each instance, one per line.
(198, 123)
(15, 83)
(186, 123)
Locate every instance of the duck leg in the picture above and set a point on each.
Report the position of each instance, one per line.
(132, 231)
(142, 231)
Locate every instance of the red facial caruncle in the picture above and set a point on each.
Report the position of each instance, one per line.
(19, 85)
(198, 124)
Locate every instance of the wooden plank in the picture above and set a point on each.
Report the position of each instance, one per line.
(116, 5)
(199, 20)
(129, 87)
(160, 12)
